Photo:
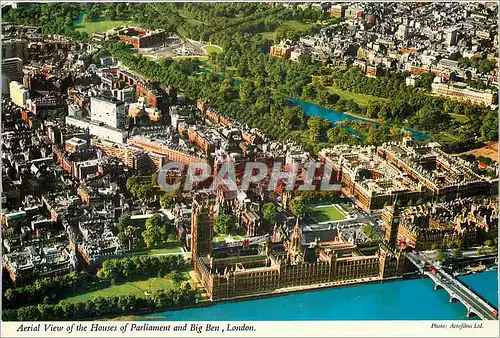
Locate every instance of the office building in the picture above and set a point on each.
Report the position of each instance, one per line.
(12, 70)
(109, 111)
(15, 48)
(18, 94)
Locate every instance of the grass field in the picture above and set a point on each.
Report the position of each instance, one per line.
(137, 288)
(222, 238)
(445, 136)
(212, 49)
(91, 27)
(328, 213)
(199, 57)
(267, 35)
(189, 17)
(169, 249)
(296, 24)
(460, 118)
(360, 99)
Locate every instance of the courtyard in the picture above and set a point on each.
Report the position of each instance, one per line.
(328, 213)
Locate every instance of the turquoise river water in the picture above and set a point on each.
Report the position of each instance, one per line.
(413, 299)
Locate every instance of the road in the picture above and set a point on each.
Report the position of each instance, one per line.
(470, 253)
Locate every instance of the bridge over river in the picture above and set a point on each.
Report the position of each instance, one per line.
(458, 292)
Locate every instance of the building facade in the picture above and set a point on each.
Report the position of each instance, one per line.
(272, 267)
(18, 94)
(464, 93)
(12, 70)
(108, 111)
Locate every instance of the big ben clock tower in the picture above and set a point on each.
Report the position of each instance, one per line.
(392, 258)
(392, 218)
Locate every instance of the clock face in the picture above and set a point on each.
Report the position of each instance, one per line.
(396, 220)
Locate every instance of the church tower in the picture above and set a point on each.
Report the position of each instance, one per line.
(201, 231)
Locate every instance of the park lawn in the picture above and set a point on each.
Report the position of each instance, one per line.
(91, 27)
(170, 248)
(460, 117)
(213, 49)
(446, 136)
(327, 214)
(296, 24)
(189, 17)
(202, 58)
(222, 237)
(137, 288)
(165, 250)
(360, 99)
(268, 35)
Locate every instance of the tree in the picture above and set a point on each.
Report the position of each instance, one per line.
(428, 118)
(317, 128)
(155, 233)
(441, 256)
(310, 91)
(480, 251)
(457, 253)
(224, 224)
(489, 128)
(488, 242)
(339, 135)
(298, 207)
(426, 79)
(270, 212)
(145, 192)
(176, 277)
(121, 10)
(168, 199)
(123, 239)
(132, 185)
(109, 14)
(368, 230)
(94, 13)
(305, 59)
(123, 223)
(96, 58)
(246, 91)
(139, 190)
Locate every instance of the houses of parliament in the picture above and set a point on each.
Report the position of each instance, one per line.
(280, 264)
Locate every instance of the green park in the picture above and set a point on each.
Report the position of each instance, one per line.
(141, 288)
(327, 213)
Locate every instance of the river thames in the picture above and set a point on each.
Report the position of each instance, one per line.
(413, 299)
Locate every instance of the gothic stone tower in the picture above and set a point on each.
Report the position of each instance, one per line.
(295, 245)
(391, 217)
(201, 231)
(392, 262)
(391, 257)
